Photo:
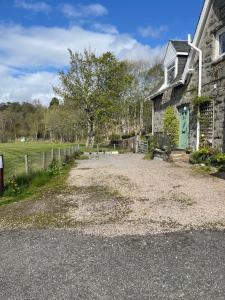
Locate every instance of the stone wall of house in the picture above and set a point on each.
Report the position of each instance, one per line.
(213, 82)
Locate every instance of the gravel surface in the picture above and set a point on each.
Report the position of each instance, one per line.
(158, 196)
(50, 264)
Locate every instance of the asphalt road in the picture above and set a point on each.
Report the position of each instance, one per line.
(51, 264)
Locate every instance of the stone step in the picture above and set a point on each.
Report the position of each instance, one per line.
(180, 156)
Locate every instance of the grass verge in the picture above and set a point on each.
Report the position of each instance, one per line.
(36, 183)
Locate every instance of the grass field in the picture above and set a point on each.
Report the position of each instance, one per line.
(14, 155)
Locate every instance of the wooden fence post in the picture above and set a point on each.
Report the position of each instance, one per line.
(59, 155)
(1, 175)
(52, 154)
(43, 161)
(26, 164)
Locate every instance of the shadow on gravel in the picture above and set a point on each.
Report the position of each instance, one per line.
(60, 264)
(220, 175)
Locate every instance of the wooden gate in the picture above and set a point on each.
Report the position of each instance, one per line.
(142, 147)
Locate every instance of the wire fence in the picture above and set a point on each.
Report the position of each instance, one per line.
(37, 161)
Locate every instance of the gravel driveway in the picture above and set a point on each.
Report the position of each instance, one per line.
(158, 196)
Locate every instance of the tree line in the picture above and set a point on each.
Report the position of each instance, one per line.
(37, 122)
(98, 97)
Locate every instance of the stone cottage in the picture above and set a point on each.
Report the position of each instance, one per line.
(195, 69)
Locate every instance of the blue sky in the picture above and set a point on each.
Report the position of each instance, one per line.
(35, 35)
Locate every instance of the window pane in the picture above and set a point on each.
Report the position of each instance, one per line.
(222, 43)
(170, 74)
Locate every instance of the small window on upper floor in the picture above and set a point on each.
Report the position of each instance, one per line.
(170, 74)
(220, 43)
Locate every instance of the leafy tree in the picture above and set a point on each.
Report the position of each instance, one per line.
(54, 102)
(93, 86)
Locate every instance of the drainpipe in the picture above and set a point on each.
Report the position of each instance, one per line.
(153, 117)
(199, 86)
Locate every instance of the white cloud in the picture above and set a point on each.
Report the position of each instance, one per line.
(106, 28)
(45, 48)
(34, 6)
(152, 32)
(92, 10)
(27, 86)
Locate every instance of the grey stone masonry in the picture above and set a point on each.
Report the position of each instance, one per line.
(213, 83)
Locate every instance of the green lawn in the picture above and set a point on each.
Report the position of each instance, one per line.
(14, 155)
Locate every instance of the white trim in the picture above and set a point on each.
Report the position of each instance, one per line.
(183, 53)
(164, 88)
(169, 68)
(176, 66)
(170, 55)
(197, 38)
(217, 44)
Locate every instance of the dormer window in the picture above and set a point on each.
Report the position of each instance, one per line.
(174, 62)
(171, 73)
(220, 43)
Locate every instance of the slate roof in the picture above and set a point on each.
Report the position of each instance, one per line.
(181, 46)
(157, 87)
(178, 78)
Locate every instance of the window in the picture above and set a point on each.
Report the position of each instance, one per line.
(220, 43)
(170, 74)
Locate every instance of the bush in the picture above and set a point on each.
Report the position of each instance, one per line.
(208, 156)
(115, 137)
(12, 187)
(197, 101)
(127, 136)
(171, 126)
(201, 156)
(77, 154)
(219, 159)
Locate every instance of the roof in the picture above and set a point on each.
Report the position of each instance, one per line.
(181, 46)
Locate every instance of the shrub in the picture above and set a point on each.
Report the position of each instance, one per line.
(12, 187)
(219, 159)
(197, 101)
(208, 156)
(171, 126)
(54, 168)
(115, 137)
(77, 154)
(201, 156)
(127, 136)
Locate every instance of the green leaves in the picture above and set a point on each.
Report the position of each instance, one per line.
(93, 85)
(171, 125)
(197, 101)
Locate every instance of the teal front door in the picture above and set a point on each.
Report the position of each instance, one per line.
(184, 127)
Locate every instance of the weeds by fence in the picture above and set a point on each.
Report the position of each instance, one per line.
(37, 161)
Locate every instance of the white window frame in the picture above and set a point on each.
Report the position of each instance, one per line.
(169, 67)
(217, 52)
